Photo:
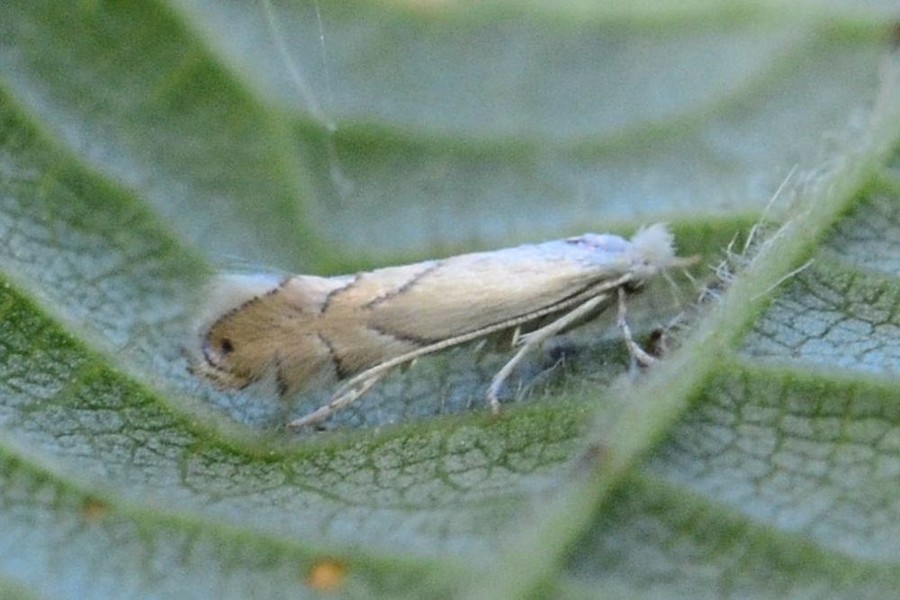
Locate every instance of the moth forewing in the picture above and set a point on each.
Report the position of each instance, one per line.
(304, 330)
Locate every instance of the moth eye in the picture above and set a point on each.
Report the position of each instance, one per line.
(216, 351)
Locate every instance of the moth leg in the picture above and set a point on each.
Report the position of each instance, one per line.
(536, 338)
(637, 353)
(341, 399)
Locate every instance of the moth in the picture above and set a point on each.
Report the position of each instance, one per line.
(308, 331)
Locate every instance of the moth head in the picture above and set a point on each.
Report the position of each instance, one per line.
(235, 347)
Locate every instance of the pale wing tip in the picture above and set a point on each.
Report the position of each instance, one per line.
(655, 246)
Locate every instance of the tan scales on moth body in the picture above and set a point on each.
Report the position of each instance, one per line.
(307, 330)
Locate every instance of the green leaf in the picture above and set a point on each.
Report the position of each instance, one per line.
(145, 145)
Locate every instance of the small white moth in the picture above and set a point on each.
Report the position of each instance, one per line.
(306, 330)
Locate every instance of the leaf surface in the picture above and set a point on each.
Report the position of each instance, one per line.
(143, 147)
